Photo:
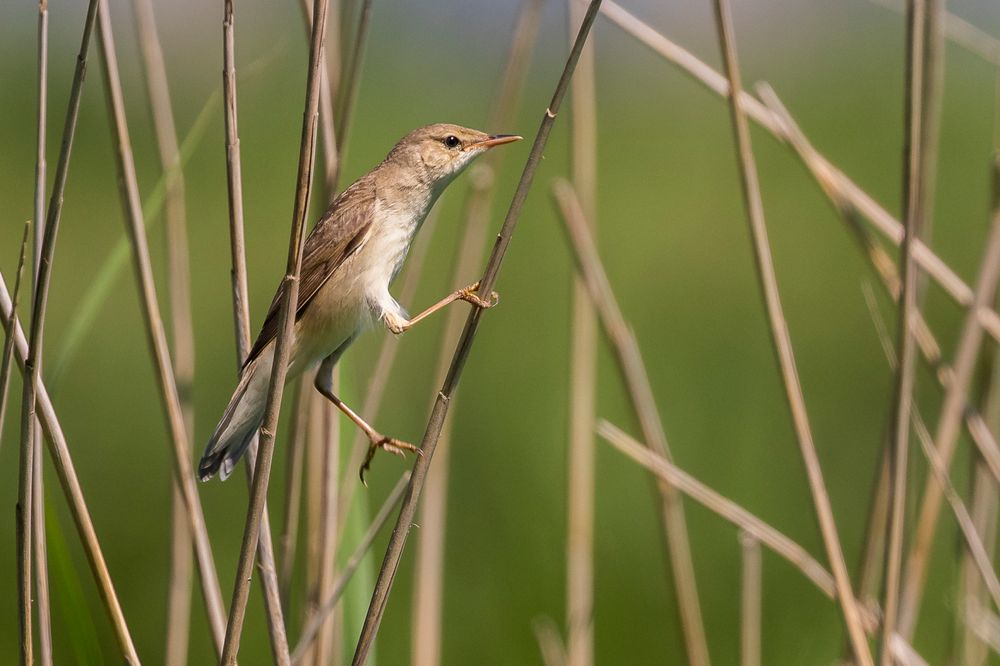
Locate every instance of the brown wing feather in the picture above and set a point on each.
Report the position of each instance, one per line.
(338, 234)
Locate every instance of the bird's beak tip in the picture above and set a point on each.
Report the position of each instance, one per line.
(498, 140)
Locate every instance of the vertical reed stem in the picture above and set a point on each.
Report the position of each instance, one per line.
(397, 541)
(781, 338)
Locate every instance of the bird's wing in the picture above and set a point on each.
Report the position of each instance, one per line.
(342, 230)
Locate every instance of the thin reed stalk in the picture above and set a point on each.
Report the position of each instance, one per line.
(182, 328)
(750, 600)
(63, 463)
(550, 643)
(43, 605)
(903, 653)
(241, 316)
(977, 550)
(351, 83)
(8, 343)
(727, 509)
(329, 78)
(397, 541)
(132, 208)
(234, 188)
(38, 481)
(583, 377)
(262, 471)
(295, 456)
(316, 462)
(429, 578)
(916, 202)
(329, 524)
(959, 31)
(633, 371)
(974, 544)
(834, 180)
(325, 509)
(23, 511)
(333, 594)
(268, 570)
(781, 340)
(971, 650)
(948, 428)
(985, 624)
(886, 271)
(985, 509)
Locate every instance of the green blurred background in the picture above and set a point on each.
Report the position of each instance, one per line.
(674, 239)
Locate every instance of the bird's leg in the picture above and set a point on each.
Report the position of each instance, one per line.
(377, 440)
(398, 325)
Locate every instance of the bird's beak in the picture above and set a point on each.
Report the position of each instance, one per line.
(496, 140)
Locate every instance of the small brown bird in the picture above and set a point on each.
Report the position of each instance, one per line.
(350, 258)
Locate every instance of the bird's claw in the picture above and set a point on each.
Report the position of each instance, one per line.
(390, 444)
(469, 294)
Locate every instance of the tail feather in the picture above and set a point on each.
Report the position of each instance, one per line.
(237, 428)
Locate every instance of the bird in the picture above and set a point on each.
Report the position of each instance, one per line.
(350, 259)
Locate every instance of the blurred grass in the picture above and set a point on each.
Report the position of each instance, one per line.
(674, 240)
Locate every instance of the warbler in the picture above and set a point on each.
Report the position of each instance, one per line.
(349, 261)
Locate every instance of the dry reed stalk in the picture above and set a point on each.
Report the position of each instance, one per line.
(948, 428)
(26, 468)
(63, 463)
(333, 595)
(929, 347)
(316, 456)
(268, 571)
(972, 650)
(182, 330)
(582, 387)
(985, 624)
(915, 208)
(429, 578)
(976, 548)
(832, 179)
(179, 592)
(241, 315)
(43, 605)
(633, 371)
(883, 264)
(750, 600)
(234, 185)
(262, 471)
(960, 31)
(985, 506)
(727, 509)
(350, 83)
(550, 643)
(295, 454)
(38, 481)
(8, 343)
(397, 541)
(329, 78)
(781, 340)
(903, 653)
(327, 437)
(132, 206)
(329, 525)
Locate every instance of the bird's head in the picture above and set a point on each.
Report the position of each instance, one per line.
(440, 152)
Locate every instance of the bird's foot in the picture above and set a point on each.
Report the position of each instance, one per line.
(394, 446)
(469, 294)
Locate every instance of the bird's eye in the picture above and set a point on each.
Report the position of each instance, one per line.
(452, 141)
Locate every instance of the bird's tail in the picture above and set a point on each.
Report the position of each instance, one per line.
(239, 423)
